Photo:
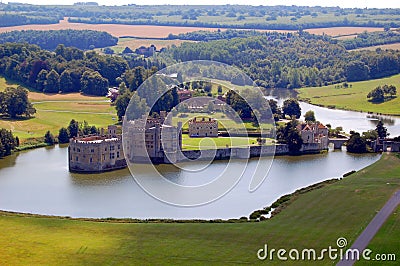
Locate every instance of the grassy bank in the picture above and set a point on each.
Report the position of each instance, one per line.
(54, 111)
(313, 220)
(354, 98)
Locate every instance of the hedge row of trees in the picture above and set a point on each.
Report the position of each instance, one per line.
(82, 39)
(9, 19)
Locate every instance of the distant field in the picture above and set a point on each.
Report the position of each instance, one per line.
(394, 46)
(313, 220)
(354, 98)
(336, 31)
(117, 30)
(54, 111)
(152, 31)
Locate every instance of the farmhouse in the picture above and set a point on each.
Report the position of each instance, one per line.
(203, 127)
(315, 133)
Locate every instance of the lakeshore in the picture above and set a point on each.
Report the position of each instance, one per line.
(300, 222)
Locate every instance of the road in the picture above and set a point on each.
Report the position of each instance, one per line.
(369, 232)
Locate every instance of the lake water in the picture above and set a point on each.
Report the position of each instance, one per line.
(349, 120)
(38, 181)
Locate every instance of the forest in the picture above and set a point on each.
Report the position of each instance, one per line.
(216, 16)
(292, 60)
(82, 39)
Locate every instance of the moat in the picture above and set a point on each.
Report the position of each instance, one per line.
(38, 181)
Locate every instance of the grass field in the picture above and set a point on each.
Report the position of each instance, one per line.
(212, 143)
(54, 111)
(393, 46)
(224, 122)
(314, 220)
(354, 98)
(387, 237)
(117, 30)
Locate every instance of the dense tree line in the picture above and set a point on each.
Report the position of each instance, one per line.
(371, 39)
(292, 60)
(82, 39)
(8, 20)
(256, 17)
(67, 70)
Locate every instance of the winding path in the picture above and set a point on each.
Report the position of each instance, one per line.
(369, 232)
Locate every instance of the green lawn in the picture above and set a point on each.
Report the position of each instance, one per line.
(386, 238)
(354, 98)
(313, 220)
(212, 143)
(224, 122)
(54, 111)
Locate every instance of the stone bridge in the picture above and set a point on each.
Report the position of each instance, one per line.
(338, 143)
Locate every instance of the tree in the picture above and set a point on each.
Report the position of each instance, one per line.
(136, 109)
(66, 82)
(219, 89)
(291, 107)
(73, 128)
(356, 71)
(381, 130)
(94, 84)
(7, 142)
(15, 102)
(290, 135)
(52, 83)
(309, 116)
(377, 95)
(127, 50)
(122, 103)
(210, 107)
(49, 138)
(356, 143)
(63, 136)
(41, 79)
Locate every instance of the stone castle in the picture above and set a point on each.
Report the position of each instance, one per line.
(104, 152)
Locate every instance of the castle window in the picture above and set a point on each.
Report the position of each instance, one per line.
(91, 159)
(119, 146)
(105, 149)
(79, 150)
(117, 154)
(74, 148)
(111, 148)
(112, 155)
(104, 157)
(76, 158)
(92, 150)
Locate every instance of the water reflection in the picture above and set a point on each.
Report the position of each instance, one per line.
(349, 120)
(39, 182)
